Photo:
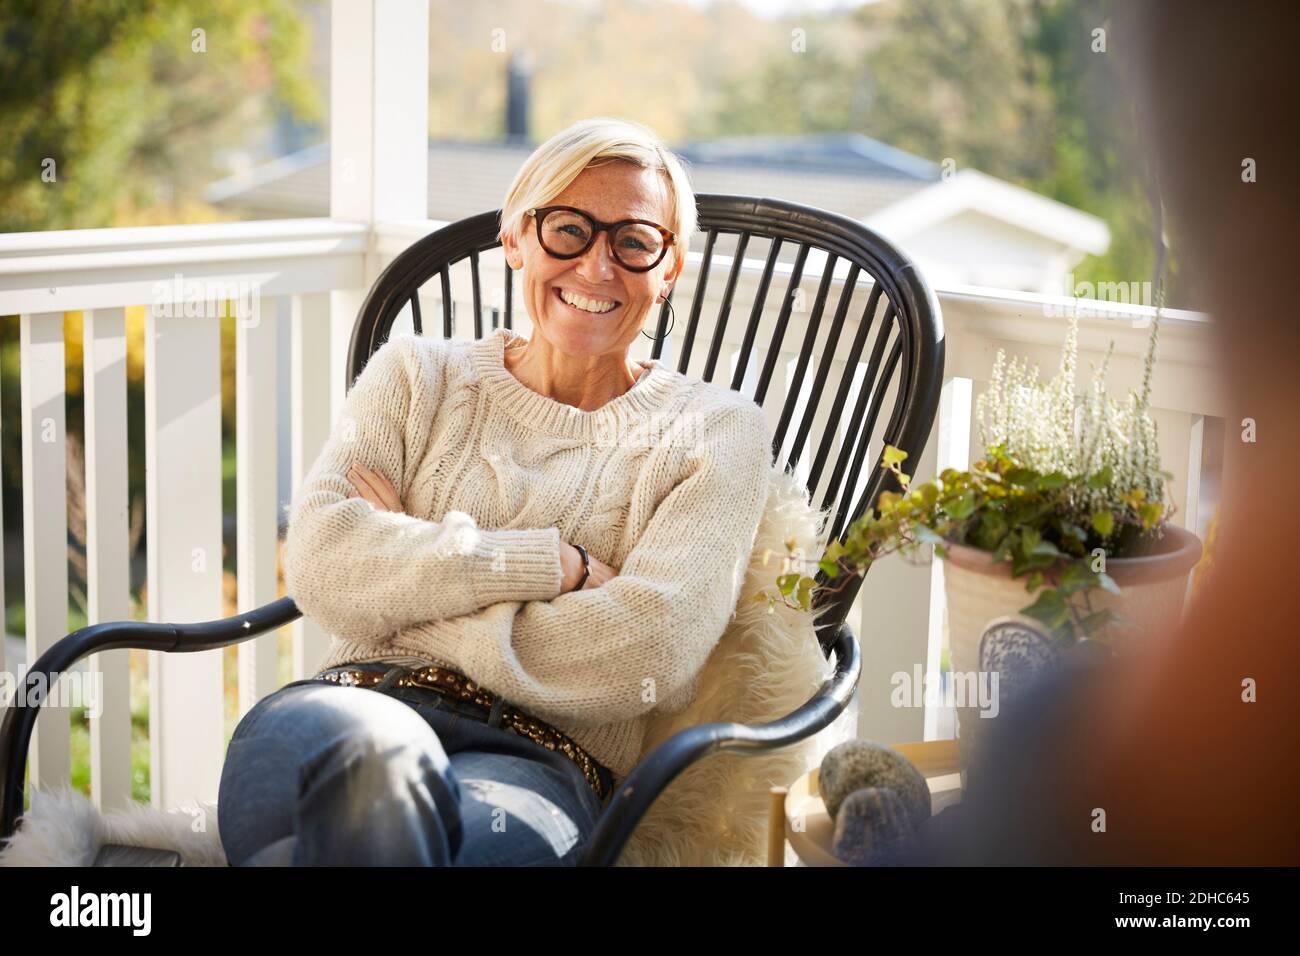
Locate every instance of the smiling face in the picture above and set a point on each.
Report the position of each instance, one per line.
(610, 192)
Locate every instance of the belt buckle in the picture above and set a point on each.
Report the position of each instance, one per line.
(343, 674)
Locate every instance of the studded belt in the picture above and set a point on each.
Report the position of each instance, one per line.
(457, 686)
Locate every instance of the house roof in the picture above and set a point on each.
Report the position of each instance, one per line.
(847, 153)
(890, 190)
(853, 175)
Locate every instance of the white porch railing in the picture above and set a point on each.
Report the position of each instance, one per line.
(288, 272)
(277, 272)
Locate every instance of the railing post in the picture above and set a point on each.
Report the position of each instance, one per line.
(894, 631)
(108, 549)
(45, 525)
(257, 490)
(183, 494)
(956, 406)
(310, 391)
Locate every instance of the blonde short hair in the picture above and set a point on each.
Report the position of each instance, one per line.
(556, 163)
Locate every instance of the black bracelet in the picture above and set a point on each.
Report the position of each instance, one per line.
(586, 565)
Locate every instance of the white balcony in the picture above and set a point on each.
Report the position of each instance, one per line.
(301, 282)
(298, 283)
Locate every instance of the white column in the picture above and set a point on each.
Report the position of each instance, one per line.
(256, 490)
(108, 566)
(45, 526)
(183, 494)
(379, 133)
(895, 631)
(310, 389)
(954, 451)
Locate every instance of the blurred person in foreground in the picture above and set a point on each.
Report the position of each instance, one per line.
(1187, 772)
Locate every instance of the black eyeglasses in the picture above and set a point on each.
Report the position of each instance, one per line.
(566, 233)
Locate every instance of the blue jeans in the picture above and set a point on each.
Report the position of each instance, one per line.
(319, 773)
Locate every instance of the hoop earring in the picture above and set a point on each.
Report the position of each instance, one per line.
(672, 320)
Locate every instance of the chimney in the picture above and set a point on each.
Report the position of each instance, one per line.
(518, 71)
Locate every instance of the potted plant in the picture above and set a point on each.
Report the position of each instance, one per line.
(1064, 521)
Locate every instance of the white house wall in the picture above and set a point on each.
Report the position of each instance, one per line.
(971, 248)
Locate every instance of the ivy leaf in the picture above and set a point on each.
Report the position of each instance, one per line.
(1104, 522)
(1106, 581)
(962, 508)
(1096, 621)
(1077, 577)
(929, 494)
(1023, 477)
(1072, 530)
(1050, 608)
(1053, 481)
(805, 588)
(893, 456)
(1063, 636)
(927, 535)
(1101, 479)
(990, 530)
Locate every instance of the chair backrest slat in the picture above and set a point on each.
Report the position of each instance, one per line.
(795, 386)
(478, 296)
(904, 367)
(841, 397)
(862, 425)
(755, 314)
(801, 364)
(701, 284)
(447, 327)
(724, 313)
(778, 333)
(416, 321)
(509, 295)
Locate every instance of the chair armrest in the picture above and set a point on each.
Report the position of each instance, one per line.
(19, 722)
(661, 766)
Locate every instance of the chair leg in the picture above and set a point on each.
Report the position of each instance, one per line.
(776, 827)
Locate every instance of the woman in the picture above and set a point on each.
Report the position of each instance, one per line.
(520, 546)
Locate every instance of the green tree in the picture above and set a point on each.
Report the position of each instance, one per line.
(1019, 89)
(1098, 160)
(131, 103)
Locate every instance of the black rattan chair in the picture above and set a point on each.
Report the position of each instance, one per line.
(906, 357)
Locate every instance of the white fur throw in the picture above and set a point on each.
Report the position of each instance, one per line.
(714, 814)
(765, 667)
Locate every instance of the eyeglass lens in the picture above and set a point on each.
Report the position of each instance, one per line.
(634, 244)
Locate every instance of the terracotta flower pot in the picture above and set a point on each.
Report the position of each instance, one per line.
(979, 589)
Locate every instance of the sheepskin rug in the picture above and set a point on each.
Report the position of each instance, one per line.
(765, 666)
(63, 828)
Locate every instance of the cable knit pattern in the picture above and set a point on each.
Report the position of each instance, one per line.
(666, 482)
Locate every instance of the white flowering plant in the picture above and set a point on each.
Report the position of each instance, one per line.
(1065, 481)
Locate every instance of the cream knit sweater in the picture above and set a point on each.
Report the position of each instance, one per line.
(666, 483)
